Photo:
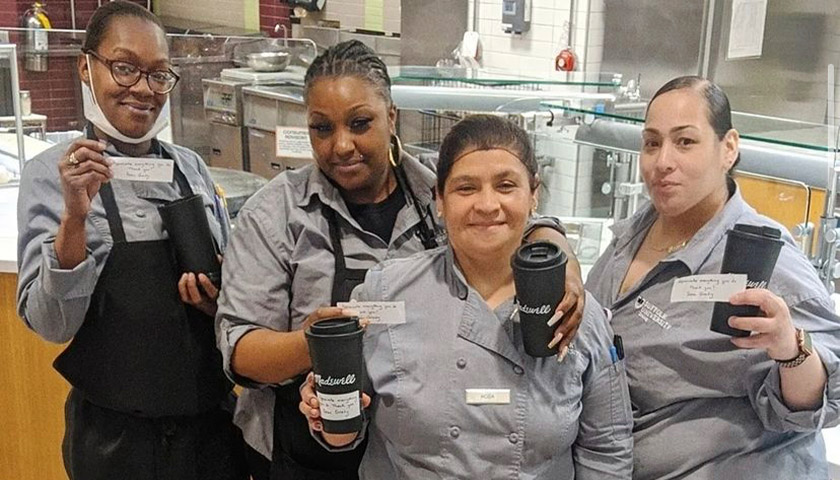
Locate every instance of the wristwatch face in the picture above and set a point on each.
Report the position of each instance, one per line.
(805, 345)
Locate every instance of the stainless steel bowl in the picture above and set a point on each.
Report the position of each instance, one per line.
(268, 61)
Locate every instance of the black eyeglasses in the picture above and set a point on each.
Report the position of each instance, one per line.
(127, 74)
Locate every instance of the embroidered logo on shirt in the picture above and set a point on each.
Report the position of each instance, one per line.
(649, 312)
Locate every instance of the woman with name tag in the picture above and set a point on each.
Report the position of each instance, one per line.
(308, 237)
(453, 393)
(707, 405)
(149, 399)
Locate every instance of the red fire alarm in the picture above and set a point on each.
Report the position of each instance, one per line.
(566, 61)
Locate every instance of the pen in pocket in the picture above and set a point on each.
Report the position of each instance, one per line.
(618, 344)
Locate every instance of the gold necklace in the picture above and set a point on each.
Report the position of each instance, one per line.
(672, 248)
(669, 249)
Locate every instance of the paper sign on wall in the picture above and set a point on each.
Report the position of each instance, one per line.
(746, 29)
(293, 142)
(708, 288)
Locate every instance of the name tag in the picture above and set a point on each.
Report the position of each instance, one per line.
(488, 396)
(387, 313)
(143, 169)
(708, 288)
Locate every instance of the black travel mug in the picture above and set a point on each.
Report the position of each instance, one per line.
(335, 347)
(189, 232)
(539, 274)
(751, 250)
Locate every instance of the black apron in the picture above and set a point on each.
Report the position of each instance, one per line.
(296, 455)
(148, 387)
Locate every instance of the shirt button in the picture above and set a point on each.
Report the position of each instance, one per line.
(518, 370)
(454, 431)
(140, 213)
(513, 438)
(461, 363)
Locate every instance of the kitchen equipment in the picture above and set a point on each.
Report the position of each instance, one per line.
(237, 186)
(264, 109)
(268, 61)
(293, 74)
(224, 107)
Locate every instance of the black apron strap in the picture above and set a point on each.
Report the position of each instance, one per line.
(112, 213)
(346, 279)
(335, 240)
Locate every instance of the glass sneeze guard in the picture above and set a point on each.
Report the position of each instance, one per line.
(487, 77)
(760, 128)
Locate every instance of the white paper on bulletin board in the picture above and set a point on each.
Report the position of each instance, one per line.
(293, 142)
(746, 29)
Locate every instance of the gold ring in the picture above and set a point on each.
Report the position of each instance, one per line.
(72, 159)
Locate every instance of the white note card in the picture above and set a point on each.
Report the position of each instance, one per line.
(387, 313)
(708, 288)
(488, 396)
(143, 169)
(293, 142)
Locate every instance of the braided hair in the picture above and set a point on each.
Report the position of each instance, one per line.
(350, 58)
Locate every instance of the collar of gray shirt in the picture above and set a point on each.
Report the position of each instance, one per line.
(421, 180)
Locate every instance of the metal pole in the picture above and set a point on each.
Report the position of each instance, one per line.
(12, 52)
(829, 233)
(706, 52)
(831, 147)
(73, 14)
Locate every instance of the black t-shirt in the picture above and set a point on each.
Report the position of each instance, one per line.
(379, 218)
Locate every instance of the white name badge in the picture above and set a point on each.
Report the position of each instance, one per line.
(708, 288)
(488, 396)
(387, 313)
(143, 169)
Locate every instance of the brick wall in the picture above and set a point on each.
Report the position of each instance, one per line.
(273, 12)
(54, 91)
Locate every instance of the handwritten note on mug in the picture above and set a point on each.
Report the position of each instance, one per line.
(389, 313)
(708, 288)
(143, 169)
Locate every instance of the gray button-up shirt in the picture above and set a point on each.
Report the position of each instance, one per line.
(564, 420)
(54, 301)
(279, 267)
(703, 408)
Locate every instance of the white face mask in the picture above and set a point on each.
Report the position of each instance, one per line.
(97, 117)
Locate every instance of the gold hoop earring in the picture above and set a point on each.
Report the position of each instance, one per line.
(395, 144)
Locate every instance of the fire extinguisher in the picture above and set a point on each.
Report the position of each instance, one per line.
(37, 23)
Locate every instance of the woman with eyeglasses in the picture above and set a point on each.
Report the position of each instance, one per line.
(149, 399)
